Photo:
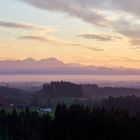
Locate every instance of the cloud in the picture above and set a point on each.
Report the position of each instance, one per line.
(97, 37)
(128, 6)
(76, 8)
(136, 48)
(15, 25)
(120, 16)
(89, 48)
(94, 49)
(88, 10)
(3, 46)
(127, 59)
(25, 26)
(78, 45)
(128, 27)
(135, 42)
(43, 39)
(35, 38)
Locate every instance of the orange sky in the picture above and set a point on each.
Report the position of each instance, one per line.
(77, 31)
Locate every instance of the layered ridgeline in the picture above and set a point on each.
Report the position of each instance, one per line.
(55, 92)
(55, 66)
(62, 89)
(10, 96)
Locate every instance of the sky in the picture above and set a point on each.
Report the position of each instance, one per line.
(89, 32)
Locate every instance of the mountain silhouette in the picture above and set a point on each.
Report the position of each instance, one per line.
(55, 66)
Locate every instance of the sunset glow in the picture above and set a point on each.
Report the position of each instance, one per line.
(88, 32)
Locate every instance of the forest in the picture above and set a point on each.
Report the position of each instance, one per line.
(113, 118)
(61, 91)
(77, 122)
(56, 89)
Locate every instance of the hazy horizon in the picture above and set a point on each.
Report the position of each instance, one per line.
(54, 66)
(101, 80)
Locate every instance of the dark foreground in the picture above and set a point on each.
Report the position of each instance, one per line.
(74, 123)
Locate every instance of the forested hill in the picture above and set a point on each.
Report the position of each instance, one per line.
(10, 90)
(13, 95)
(68, 89)
(95, 92)
(61, 89)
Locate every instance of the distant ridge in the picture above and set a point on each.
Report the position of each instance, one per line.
(55, 66)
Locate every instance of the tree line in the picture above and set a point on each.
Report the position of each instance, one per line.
(130, 103)
(77, 122)
(62, 89)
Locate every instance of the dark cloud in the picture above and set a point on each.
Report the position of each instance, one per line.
(35, 38)
(89, 48)
(16, 25)
(79, 45)
(84, 9)
(117, 37)
(135, 42)
(128, 6)
(77, 8)
(128, 27)
(94, 49)
(42, 39)
(91, 11)
(97, 37)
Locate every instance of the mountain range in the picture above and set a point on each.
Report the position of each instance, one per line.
(55, 66)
